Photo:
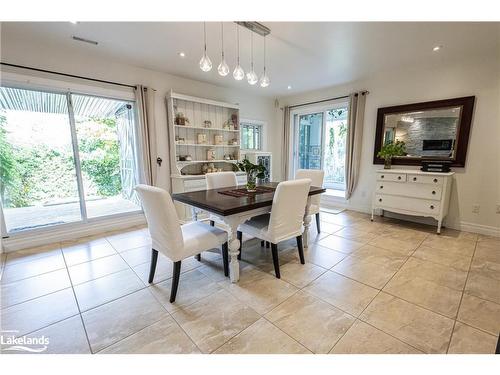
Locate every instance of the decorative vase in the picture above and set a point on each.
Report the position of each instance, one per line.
(387, 163)
(251, 182)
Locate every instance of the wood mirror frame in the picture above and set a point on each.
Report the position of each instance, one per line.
(462, 139)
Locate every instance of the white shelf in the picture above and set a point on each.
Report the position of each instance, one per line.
(203, 145)
(183, 163)
(201, 128)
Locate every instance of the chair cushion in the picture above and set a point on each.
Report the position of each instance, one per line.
(200, 237)
(256, 226)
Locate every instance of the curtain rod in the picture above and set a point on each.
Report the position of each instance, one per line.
(326, 100)
(68, 75)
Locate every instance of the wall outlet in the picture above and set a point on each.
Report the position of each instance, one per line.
(498, 209)
(475, 209)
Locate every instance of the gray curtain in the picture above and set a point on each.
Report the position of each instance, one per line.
(285, 150)
(354, 140)
(145, 99)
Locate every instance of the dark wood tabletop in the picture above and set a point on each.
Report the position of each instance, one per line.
(224, 205)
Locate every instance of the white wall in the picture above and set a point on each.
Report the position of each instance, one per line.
(50, 57)
(478, 182)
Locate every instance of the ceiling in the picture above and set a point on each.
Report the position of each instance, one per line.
(303, 55)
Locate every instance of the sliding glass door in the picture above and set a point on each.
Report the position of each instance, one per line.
(64, 158)
(319, 141)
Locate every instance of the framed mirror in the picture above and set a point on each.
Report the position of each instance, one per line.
(437, 130)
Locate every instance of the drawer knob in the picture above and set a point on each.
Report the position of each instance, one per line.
(432, 207)
(433, 192)
(435, 180)
(414, 179)
(399, 177)
(381, 186)
(380, 199)
(382, 176)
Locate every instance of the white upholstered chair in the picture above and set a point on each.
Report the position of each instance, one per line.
(284, 221)
(175, 241)
(316, 176)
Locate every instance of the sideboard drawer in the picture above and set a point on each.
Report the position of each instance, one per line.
(397, 177)
(420, 179)
(424, 206)
(423, 191)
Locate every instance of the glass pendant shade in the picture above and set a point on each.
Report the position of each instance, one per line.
(252, 77)
(238, 73)
(223, 68)
(205, 63)
(264, 80)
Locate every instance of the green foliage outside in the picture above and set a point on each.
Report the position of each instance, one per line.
(391, 149)
(36, 174)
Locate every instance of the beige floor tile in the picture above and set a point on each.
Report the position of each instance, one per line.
(129, 240)
(372, 274)
(315, 324)
(300, 274)
(380, 256)
(163, 337)
(480, 313)
(118, 319)
(443, 257)
(368, 226)
(460, 235)
(425, 293)
(442, 275)
(137, 256)
(483, 287)
(23, 270)
(459, 246)
(362, 338)
(321, 256)
(107, 288)
(486, 252)
(468, 340)
(79, 252)
(418, 327)
(39, 313)
(37, 286)
(346, 294)
(261, 291)
(193, 286)
(261, 338)
(327, 227)
(351, 233)
(485, 268)
(403, 247)
(214, 271)
(27, 255)
(214, 320)
(261, 257)
(341, 244)
(94, 269)
(164, 269)
(339, 219)
(66, 337)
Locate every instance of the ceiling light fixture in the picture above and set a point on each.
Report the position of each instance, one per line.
(182, 54)
(289, 87)
(205, 63)
(73, 22)
(264, 79)
(251, 75)
(436, 48)
(223, 68)
(238, 72)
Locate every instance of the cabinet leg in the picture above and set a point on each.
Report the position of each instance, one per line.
(372, 215)
(439, 227)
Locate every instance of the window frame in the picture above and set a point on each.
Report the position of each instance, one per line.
(22, 82)
(255, 124)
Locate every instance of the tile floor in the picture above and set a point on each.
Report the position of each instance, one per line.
(367, 287)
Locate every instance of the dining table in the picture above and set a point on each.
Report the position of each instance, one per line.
(234, 205)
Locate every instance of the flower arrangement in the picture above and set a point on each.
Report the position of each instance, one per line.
(390, 150)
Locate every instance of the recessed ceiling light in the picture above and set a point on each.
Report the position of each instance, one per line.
(436, 48)
(182, 54)
(73, 22)
(289, 87)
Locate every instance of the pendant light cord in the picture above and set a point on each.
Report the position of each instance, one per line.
(251, 43)
(222, 37)
(238, 41)
(205, 35)
(264, 54)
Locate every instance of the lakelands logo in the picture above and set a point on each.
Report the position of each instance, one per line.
(9, 342)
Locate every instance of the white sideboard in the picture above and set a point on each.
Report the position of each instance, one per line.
(413, 192)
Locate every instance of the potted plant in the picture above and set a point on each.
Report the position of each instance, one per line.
(253, 172)
(390, 150)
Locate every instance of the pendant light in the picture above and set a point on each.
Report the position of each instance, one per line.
(238, 72)
(264, 79)
(223, 68)
(205, 63)
(252, 76)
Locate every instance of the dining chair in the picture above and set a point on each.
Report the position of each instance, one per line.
(316, 177)
(177, 242)
(284, 221)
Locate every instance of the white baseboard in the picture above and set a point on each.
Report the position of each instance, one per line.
(73, 231)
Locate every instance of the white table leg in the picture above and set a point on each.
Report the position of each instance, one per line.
(234, 248)
(194, 213)
(307, 223)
